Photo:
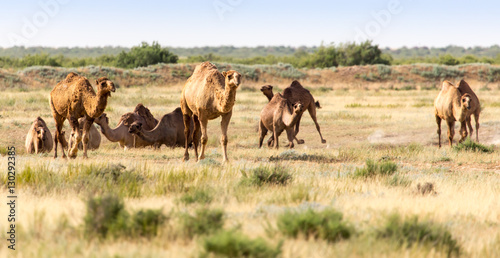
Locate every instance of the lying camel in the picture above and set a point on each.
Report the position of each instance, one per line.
(169, 131)
(475, 110)
(94, 137)
(119, 134)
(296, 93)
(207, 95)
(72, 98)
(277, 116)
(39, 139)
(450, 105)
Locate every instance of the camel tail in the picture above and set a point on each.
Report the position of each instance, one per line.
(317, 104)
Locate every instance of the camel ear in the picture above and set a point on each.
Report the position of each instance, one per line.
(224, 74)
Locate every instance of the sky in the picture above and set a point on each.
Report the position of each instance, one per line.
(250, 23)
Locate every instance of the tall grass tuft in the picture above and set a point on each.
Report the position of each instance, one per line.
(374, 168)
(205, 221)
(264, 175)
(202, 196)
(147, 222)
(411, 231)
(470, 145)
(105, 216)
(326, 224)
(230, 243)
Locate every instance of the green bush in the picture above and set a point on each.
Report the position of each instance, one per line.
(203, 196)
(373, 168)
(470, 145)
(410, 231)
(145, 55)
(147, 222)
(205, 221)
(105, 215)
(326, 224)
(235, 244)
(264, 175)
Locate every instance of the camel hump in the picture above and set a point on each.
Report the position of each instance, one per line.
(447, 85)
(145, 113)
(177, 110)
(72, 76)
(296, 83)
(464, 87)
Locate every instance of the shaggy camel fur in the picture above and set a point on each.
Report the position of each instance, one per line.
(278, 116)
(73, 98)
(94, 137)
(39, 138)
(296, 93)
(450, 105)
(120, 134)
(475, 110)
(169, 131)
(207, 95)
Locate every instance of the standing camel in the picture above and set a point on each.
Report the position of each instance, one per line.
(73, 98)
(475, 110)
(450, 105)
(207, 95)
(296, 93)
(277, 116)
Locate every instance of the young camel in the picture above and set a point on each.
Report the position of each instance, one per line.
(279, 115)
(207, 95)
(39, 138)
(450, 105)
(296, 93)
(73, 98)
(169, 131)
(475, 110)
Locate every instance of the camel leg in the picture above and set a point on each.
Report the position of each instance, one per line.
(196, 135)
(312, 113)
(86, 128)
(270, 141)
(57, 137)
(291, 135)
(297, 126)
(73, 122)
(276, 139)
(204, 137)
(262, 132)
(476, 118)
(451, 131)
(187, 121)
(224, 123)
(438, 121)
(463, 130)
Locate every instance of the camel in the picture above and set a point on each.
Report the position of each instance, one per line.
(277, 116)
(39, 138)
(296, 93)
(474, 110)
(94, 137)
(72, 98)
(169, 131)
(119, 134)
(450, 105)
(207, 95)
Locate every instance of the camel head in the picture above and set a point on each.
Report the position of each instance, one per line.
(40, 134)
(135, 127)
(233, 78)
(465, 101)
(298, 107)
(105, 85)
(267, 90)
(102, 118)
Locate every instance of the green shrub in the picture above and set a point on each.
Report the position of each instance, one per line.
(235, 244)
(105, 215)
(470, 145)
(147, 222)
(373, 168)
(326, 224)
(205, 221)
(203, 196)
(410, 231)
(294, 155)
(262, 175)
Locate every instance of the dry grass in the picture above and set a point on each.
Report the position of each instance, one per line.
(395, 126)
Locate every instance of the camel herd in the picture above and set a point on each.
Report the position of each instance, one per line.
(207, 95)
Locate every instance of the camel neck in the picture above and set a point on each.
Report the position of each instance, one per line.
(227, 98)
(112, 135)
(96, 103)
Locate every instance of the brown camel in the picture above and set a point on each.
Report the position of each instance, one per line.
(119, 134)
(207, 95)
(73, 98)
(475, 110)
(279, 115)
(169, 131)
(296, 93)
(140, 114)
(39, 138)
(94, 137)
(450, 105)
